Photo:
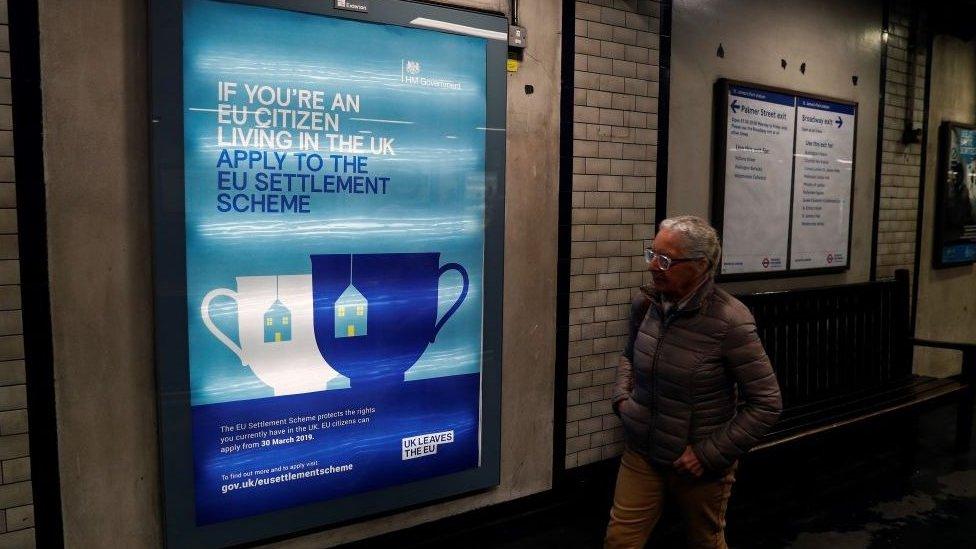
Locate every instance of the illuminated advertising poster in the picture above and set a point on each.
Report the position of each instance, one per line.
(335, 255)
(955, 231)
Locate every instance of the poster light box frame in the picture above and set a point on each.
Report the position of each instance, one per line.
(720, 120)
(170, 286)
(941, 182)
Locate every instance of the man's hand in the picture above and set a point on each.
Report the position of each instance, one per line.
(688, 463)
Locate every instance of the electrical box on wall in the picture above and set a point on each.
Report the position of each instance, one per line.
(912, 134)
(516, 37)
(516, 46)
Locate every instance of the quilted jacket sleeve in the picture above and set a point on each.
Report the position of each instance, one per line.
(625, 365)
(746, 360)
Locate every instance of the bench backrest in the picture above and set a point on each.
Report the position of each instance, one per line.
(833, 341)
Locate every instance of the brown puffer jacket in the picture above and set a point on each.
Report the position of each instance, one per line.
(676, 381)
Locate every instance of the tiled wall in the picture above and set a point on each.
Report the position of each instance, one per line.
(900, 163)
(614, 164)
(16, 499)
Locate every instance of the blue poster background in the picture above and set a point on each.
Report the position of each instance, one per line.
(414, 184)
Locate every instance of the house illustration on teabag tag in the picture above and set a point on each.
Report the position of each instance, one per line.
(350, 313)
(277, 321)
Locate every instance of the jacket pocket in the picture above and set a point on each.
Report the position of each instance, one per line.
(636, 419)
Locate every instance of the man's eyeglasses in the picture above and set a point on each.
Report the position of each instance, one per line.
(664, 261)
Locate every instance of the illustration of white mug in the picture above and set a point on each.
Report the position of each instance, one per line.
(277, 341)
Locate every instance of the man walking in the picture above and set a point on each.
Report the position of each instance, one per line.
(693, 351)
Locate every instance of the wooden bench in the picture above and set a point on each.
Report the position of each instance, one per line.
(843, 355)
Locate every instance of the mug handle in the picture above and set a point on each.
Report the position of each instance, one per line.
(460, 299)
(205, 315)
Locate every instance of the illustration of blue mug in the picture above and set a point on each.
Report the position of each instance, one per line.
(375, 314)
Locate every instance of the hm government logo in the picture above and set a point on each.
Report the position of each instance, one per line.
(411, 73)
(353, 5)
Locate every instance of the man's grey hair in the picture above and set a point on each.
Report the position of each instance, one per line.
(700, 238)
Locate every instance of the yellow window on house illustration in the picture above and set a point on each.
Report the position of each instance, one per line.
(351, 330)
(359, 310)
(341, 311)
(269, 321)
(284, 321)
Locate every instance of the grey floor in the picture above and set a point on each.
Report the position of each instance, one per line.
(898, 484)
(926, 497)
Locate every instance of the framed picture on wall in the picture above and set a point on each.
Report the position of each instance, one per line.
(955, 201)
(783, 181)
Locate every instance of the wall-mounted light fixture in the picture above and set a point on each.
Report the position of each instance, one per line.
(884, 36)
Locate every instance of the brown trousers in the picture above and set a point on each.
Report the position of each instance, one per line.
(640, 495)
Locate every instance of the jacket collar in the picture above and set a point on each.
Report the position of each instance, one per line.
(692, 302)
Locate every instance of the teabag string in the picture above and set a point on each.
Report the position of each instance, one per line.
(277, 300)
(277, 305)
(351, 286)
